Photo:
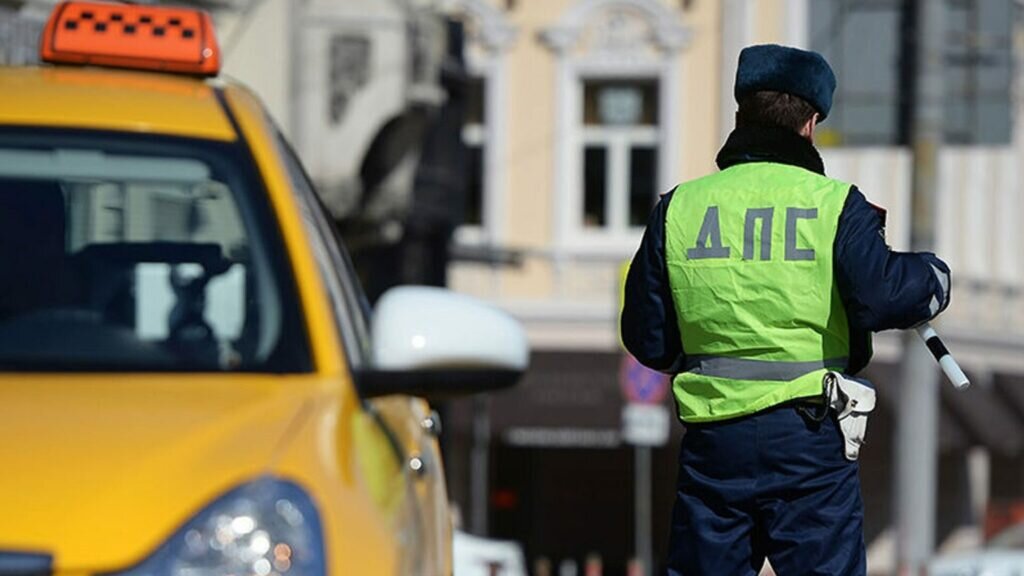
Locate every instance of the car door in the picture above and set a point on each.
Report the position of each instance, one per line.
(416, 427)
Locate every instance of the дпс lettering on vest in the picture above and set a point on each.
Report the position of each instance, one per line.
(709, 239)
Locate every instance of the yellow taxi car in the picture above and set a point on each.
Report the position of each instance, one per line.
(190, 381)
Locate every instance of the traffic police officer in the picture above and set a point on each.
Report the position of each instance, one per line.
(749, 284)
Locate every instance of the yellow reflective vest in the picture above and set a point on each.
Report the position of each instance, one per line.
(749, 252)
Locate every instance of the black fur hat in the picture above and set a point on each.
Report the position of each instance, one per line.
(793, 71)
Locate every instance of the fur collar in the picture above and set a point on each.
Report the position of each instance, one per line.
(766, 144)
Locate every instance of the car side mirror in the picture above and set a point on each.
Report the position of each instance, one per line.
(435, 343)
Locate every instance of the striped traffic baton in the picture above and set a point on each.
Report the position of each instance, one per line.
(949, 366)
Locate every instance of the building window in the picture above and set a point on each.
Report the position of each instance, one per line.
(870, 45)
(620, 150)
(619, 103)
(979, 72)
(474, 136)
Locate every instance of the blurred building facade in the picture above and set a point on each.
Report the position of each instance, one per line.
(578, 113)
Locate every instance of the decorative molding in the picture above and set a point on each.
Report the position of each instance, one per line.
(496, 34)
(558, 39)
(667, 32)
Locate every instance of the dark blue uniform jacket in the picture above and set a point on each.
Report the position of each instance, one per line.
(880, 288)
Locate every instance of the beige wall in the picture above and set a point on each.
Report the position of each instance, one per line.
(700, 83)
(768, 18)
(530, 152)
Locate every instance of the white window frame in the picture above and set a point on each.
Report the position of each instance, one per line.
(618, 141)
(571, 237)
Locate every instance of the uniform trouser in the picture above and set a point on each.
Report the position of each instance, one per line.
(775, 485)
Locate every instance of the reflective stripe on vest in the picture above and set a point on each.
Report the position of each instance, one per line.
(746, 369)
(750, 264)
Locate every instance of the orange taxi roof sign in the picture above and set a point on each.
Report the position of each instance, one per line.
(132, 36)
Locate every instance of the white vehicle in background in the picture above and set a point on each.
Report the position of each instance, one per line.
(1003, 555)
(474, 556)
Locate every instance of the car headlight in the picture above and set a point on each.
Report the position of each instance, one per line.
(269, 527)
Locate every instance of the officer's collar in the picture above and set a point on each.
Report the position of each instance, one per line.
(765, 144)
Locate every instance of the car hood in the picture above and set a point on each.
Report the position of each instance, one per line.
(100, 470)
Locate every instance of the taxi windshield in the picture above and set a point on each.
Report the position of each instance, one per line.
(140, 253)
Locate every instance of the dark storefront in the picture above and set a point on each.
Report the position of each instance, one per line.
(561, 480)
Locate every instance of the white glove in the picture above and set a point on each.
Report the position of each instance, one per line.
(852, 399)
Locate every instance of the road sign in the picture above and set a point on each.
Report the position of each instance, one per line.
(640, 384)
(645, 424)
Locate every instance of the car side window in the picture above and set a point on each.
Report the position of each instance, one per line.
(352, 309)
